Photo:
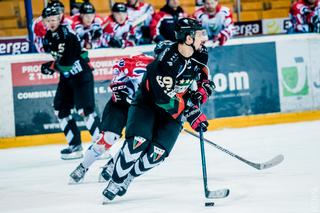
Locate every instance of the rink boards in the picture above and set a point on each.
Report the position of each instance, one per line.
(258, 81)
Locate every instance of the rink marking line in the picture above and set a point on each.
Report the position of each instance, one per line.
(214, 124)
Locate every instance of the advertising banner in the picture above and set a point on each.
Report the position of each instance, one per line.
(295, 79)
(246, 80)
(33, 95)
(315, 69)
(275, 26)
(13, 46)
(248, 28)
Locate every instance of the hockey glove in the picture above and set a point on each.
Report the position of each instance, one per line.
(119, 92)
(205, 89)
(221, 39)
(48, 68)
(196, 118)
(96, 31)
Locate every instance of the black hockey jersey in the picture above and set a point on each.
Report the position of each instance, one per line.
(171, 76)
(65, 48)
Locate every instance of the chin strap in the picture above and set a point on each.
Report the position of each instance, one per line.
(191, 45)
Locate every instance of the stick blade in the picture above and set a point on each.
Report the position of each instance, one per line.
(219, 193)
(273, 162)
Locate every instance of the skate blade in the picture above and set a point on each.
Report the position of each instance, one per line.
(106, 201)
(73, 182)
(101, 179)
(72, 156)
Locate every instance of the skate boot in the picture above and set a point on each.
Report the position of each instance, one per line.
(124, 186)
(107, 171)
(72, 152)
(78, 174)
(113, 189)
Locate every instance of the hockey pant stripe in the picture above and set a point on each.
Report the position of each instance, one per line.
(70, 130)
(132, 150)
(149, 160)
(93, 124)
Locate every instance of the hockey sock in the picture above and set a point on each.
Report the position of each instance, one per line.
(100, 146)
(93, 123)
(70, 130)
(152, 158)
(131, 150)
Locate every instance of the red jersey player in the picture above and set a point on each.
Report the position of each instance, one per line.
(117, 28)
(305, 16)
(88, 26)
(217, 20)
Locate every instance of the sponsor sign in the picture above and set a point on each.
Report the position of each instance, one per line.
(33, 95)
(315, 72)
(246, 80)
(248, 28)
(294, 73)
(13, 46)
(275, 26)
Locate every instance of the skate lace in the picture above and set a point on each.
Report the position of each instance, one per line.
(110, 168)
(80, 171)
(113, 187)
(127, 181)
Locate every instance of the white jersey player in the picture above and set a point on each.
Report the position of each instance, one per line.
(141, 13)
(217, 20)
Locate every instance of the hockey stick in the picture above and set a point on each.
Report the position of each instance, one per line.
(268, 164)
(220, 193)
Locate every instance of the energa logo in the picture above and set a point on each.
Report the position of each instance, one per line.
(295, 79)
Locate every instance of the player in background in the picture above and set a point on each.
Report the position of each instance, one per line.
(76, 86)
(164, 97)
(88, 26)
(118, 30)
(141, 12)
(305, 16)
(217, 20)
(164, 22)
(39, 26)
(127, 75)
(75, 6)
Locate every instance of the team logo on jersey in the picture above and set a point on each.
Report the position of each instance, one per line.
(137, 141)
(157, 153)
(172, 60)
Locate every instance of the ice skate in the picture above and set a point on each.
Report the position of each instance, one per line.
(124, 187)
(110, 192)
(113, 189)
(78, 174)
(72, 152)
(107, 171)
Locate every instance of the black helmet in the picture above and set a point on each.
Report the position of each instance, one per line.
(185, 27)
(119, 7)
(49, 11)
(57, 5)
(87, 8)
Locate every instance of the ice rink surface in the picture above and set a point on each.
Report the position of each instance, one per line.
(35, 180)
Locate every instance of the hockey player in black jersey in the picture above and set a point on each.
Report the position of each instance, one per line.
(166, 95)
(76, 86)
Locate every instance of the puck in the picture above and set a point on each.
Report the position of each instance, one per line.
(209, 204)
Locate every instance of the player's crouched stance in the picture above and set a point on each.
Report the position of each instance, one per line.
(164, 97)
(127, 75)
(76, 86)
